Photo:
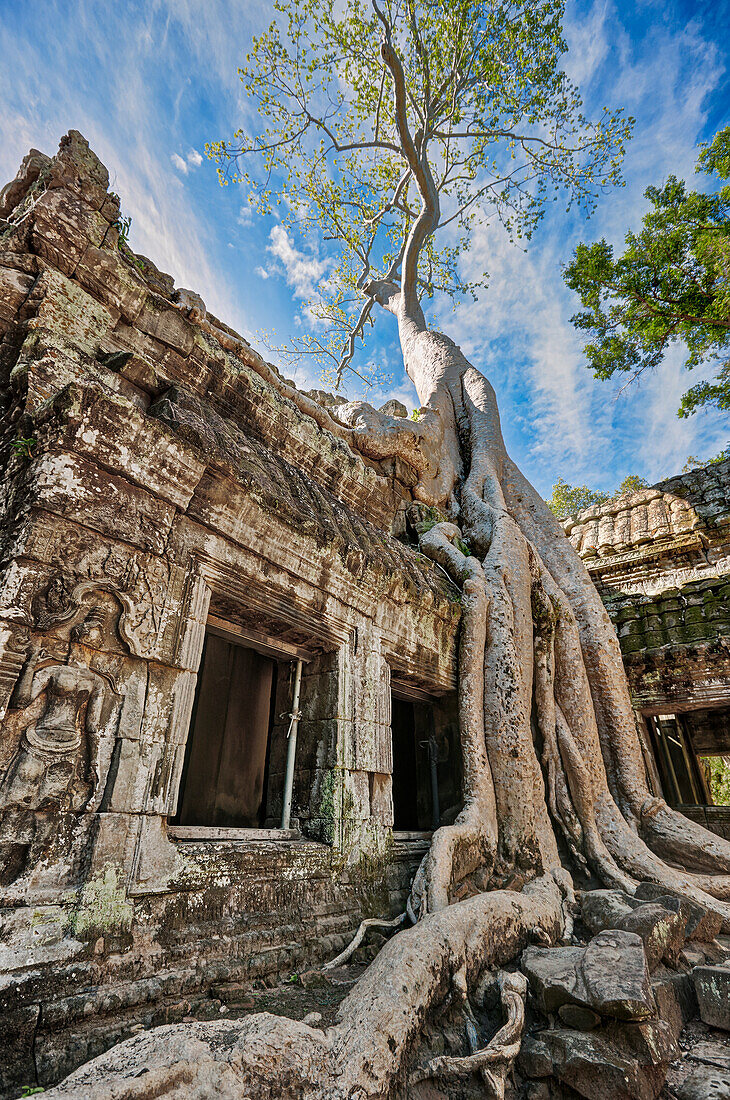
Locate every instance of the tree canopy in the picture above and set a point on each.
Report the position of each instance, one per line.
(670, 285)
(566, 500)
(389, 132)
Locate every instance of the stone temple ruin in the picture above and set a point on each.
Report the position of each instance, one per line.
(227, 676)
(660, 558)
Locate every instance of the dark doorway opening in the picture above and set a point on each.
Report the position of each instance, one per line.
(682, 778)
(224, 777)
(426, 760)
(405, 767)
(692, 751)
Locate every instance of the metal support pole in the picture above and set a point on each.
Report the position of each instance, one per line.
(433, 757)
(291, 750)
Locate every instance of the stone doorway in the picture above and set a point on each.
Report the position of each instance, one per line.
(224, 779)
(426, 760)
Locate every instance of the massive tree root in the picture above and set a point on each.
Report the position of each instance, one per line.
(548, 651)
(494, 1061)
(366, 1053)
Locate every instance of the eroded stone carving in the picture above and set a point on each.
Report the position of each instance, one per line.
(62, 604)
(55, 765)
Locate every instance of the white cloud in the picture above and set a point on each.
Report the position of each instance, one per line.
(588, 41)
(557, 419)
(117, 108)
(302, 272)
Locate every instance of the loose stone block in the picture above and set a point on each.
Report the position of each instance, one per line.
(712, 985)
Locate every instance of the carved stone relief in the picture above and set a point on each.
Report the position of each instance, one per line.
(138, 622)
(60, 703)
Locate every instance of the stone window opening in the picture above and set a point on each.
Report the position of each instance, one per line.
(426, 779)
(232, 781)
(676, 741)
(690, 752)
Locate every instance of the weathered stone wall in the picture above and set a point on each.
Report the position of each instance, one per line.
(156, 471)
(660, 558)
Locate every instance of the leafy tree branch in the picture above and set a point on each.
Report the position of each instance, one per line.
(670, 285)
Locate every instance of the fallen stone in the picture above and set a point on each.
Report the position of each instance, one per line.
(609, 976)
(714, 1052)
(552, 974)
(601, 909)
(704, 1083)
(661, 930)
(702, 923)
(712, 985)
(621, 1062)
(676, 1000)
(616, 977)
(691, 957)
(578, 1017)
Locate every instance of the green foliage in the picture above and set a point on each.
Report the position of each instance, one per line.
(30, 1090)
(23, 448)
(671, 284)
(494, 124)
(122, 226)
(630, 484)
(566, 499)
(717, 770)
(693, 463)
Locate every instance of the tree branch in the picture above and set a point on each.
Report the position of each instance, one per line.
(427, 220)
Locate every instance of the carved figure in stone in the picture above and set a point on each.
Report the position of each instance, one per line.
(42, 773)
(136, 592)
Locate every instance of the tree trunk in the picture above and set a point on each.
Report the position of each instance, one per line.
(549, 641)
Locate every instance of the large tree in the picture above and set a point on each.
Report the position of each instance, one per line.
(670, 285)
(382, 128)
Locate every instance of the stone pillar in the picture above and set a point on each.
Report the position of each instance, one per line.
(364, 758)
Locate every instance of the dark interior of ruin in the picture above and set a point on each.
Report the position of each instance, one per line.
(224, 778)
(426, 774)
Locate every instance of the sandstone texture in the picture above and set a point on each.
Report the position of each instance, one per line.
(157, 473)
(712, 985)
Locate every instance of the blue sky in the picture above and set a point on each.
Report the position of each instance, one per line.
(148, 83)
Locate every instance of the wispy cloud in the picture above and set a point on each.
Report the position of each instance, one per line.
(149, 110)
(302, 272)
(557, 418)
(185, 165)
(117, 107)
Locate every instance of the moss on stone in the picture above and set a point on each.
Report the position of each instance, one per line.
(102, 907)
